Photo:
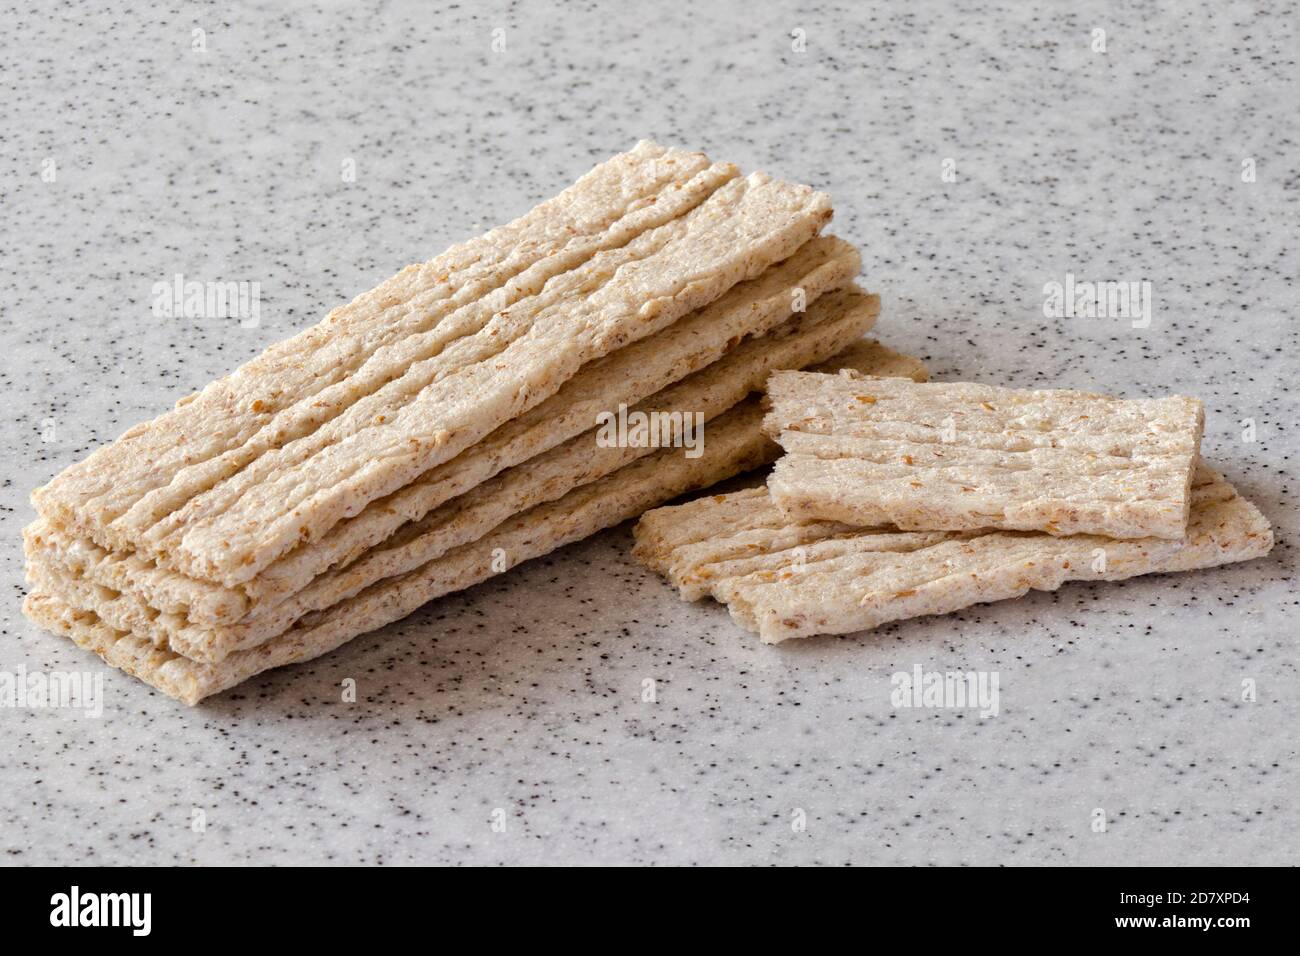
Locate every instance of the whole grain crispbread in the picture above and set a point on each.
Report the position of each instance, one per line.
(783, 579)
(435, 409)
(960, 456)
(300, 382)
(735, 444)
(834, 323)
(629, 375)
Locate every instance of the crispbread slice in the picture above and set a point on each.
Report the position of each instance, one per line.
(735, 444)
(687, 543)
(960, 456)
(670, 537)
(627, 376)
(320, 368)
(431, 410)
(783, 581)
(831, 325)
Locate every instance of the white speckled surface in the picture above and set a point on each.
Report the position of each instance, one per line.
(524, 694)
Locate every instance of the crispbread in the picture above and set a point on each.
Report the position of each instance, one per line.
(783, 581)
(667, 537)
(960, 456)
(46, 575)
(735, 444)
(169, 592)
(520, 357)
(831, 325)
(605, 208)
(626, 376)
(719, 530)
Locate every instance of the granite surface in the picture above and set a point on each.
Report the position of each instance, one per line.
(975, 151)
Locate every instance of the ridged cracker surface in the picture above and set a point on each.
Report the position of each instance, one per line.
(111, 631)
(608, 206)
(831, 325)
(421, 400)
(735, 444)
(960, 456)
(783, 579)
(629, 375)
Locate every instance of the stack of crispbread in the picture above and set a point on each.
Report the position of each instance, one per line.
(896, 499)
(441, 428)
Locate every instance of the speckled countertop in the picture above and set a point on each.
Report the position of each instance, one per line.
(520, 701)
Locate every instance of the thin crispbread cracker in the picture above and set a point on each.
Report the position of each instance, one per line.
(625, 295)
(735, 444)
(430, 410)
(672, 533)
(163, 589)
(608, 207)
(628, 375)
(45, 574)
(831, 325)
(321, 367)
(690, 544)
(783, 580)
(960, 456)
